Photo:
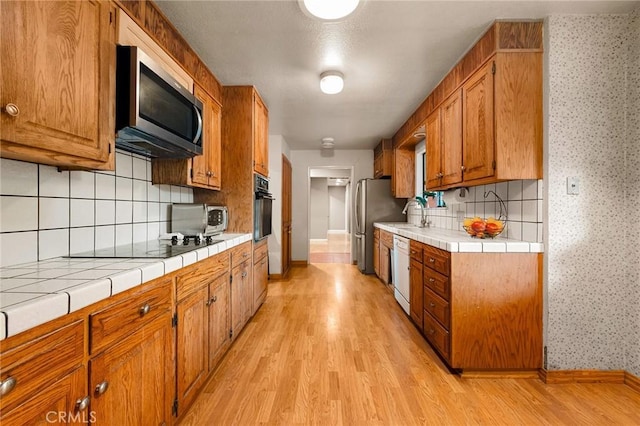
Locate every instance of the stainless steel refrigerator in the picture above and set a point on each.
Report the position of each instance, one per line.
(374, 203)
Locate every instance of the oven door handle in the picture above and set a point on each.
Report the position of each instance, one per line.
(264, 196)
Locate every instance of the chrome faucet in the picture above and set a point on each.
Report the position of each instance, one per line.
(423, 219)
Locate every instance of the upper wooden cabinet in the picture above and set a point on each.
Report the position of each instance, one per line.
(58, 83)
(484, 120)
(260, 136)
(403, 173)
(383, 159)
(202, 171)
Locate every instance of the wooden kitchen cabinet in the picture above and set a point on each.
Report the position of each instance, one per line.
(131, 369)
(47, 369)
(58, 101)
(202, 171)
(376, 251)
(416, 286)
(383, 159)
(403, 173)
(260, 274)
(132, 382)
(386, 245)
(483, 311)
(199, 333)
(241, 296)
(260, 136)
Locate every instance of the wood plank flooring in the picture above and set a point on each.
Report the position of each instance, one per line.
(335, 249)
(331, 346)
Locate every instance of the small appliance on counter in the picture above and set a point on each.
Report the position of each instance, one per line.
(198, 219)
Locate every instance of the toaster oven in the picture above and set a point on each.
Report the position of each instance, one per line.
(196, 219)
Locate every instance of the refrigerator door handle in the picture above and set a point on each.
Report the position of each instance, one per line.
(358, 207)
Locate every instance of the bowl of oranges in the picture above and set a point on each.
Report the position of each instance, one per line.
(483, 228)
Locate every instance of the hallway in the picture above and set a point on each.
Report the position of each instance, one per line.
(331, 346)
(335, 249)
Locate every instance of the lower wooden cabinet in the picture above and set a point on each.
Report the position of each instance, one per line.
(260, 274)
(416, 290)
(202, 324)
(240, 297)
(55, 403)
(376, 251)
(132, 382)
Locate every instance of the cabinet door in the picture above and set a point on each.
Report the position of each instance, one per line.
(416, 292)
(451, 150)
(260, 283)
(434, 149)
(219, 324)
(191, 345)
(58, 72)
(385, 263)
(132, 382)
(238, 299)
(55, 403)
(207, 167)
(477, 111)
(376, 256)
(260, 137)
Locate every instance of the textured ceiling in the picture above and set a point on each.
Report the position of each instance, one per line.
(392, 54)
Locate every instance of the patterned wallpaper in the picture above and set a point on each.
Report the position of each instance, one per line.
(588, 272)
(633, 196)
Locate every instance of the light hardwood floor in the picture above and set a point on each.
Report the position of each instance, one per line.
(331, 346)
(335, 249)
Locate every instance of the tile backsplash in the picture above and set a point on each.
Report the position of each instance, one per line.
(523, 201)
(46, 213)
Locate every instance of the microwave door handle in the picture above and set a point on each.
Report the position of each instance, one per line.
(199, 131)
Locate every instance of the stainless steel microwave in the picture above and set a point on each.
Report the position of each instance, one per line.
(155, 115)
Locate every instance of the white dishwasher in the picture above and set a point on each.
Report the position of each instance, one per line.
(401, 271)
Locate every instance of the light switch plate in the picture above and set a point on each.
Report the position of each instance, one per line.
(460, 216)
(573, 185)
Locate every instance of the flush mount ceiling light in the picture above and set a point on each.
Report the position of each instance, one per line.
(331, 82)
(419, 135)
(327, 143)
(329, 10)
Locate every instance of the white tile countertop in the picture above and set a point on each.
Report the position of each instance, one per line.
(459, 242)
(34, 293)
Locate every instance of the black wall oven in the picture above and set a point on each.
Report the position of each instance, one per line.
(262, 208)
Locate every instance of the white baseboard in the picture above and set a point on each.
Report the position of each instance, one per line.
(318, 240)
(337, 231)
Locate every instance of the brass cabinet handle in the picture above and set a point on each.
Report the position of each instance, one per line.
(145, 310)
(82, 403)
(101, 388)
(431, 280)
(12, 109)
(432, 260)
(7, 385)
(213, 300)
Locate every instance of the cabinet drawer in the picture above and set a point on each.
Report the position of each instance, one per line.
(436, 335)
(415, 250)
(437, 282)
(386, 238)
(121, 319)
(39, 362)
(437, 307)
(240, 253)
(436, 259)
(198, 275)
(259, 252)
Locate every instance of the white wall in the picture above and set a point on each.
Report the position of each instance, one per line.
(591, 308)
(319, 209)
(277, 148)
(337, 208)
(45, 213)
(301, 161)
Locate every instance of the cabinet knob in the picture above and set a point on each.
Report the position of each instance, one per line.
(7, 385)
(12, 109)
(432, 331)
(431, 280)
(433, 305)
(145, 310)
(432, 260)
(102, 388)
(82, 404)
(214, 299)
(244, 274)
(463, 168)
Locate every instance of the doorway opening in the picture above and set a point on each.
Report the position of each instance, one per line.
(330, 215)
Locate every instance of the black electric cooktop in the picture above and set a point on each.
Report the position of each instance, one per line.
(158, 249)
